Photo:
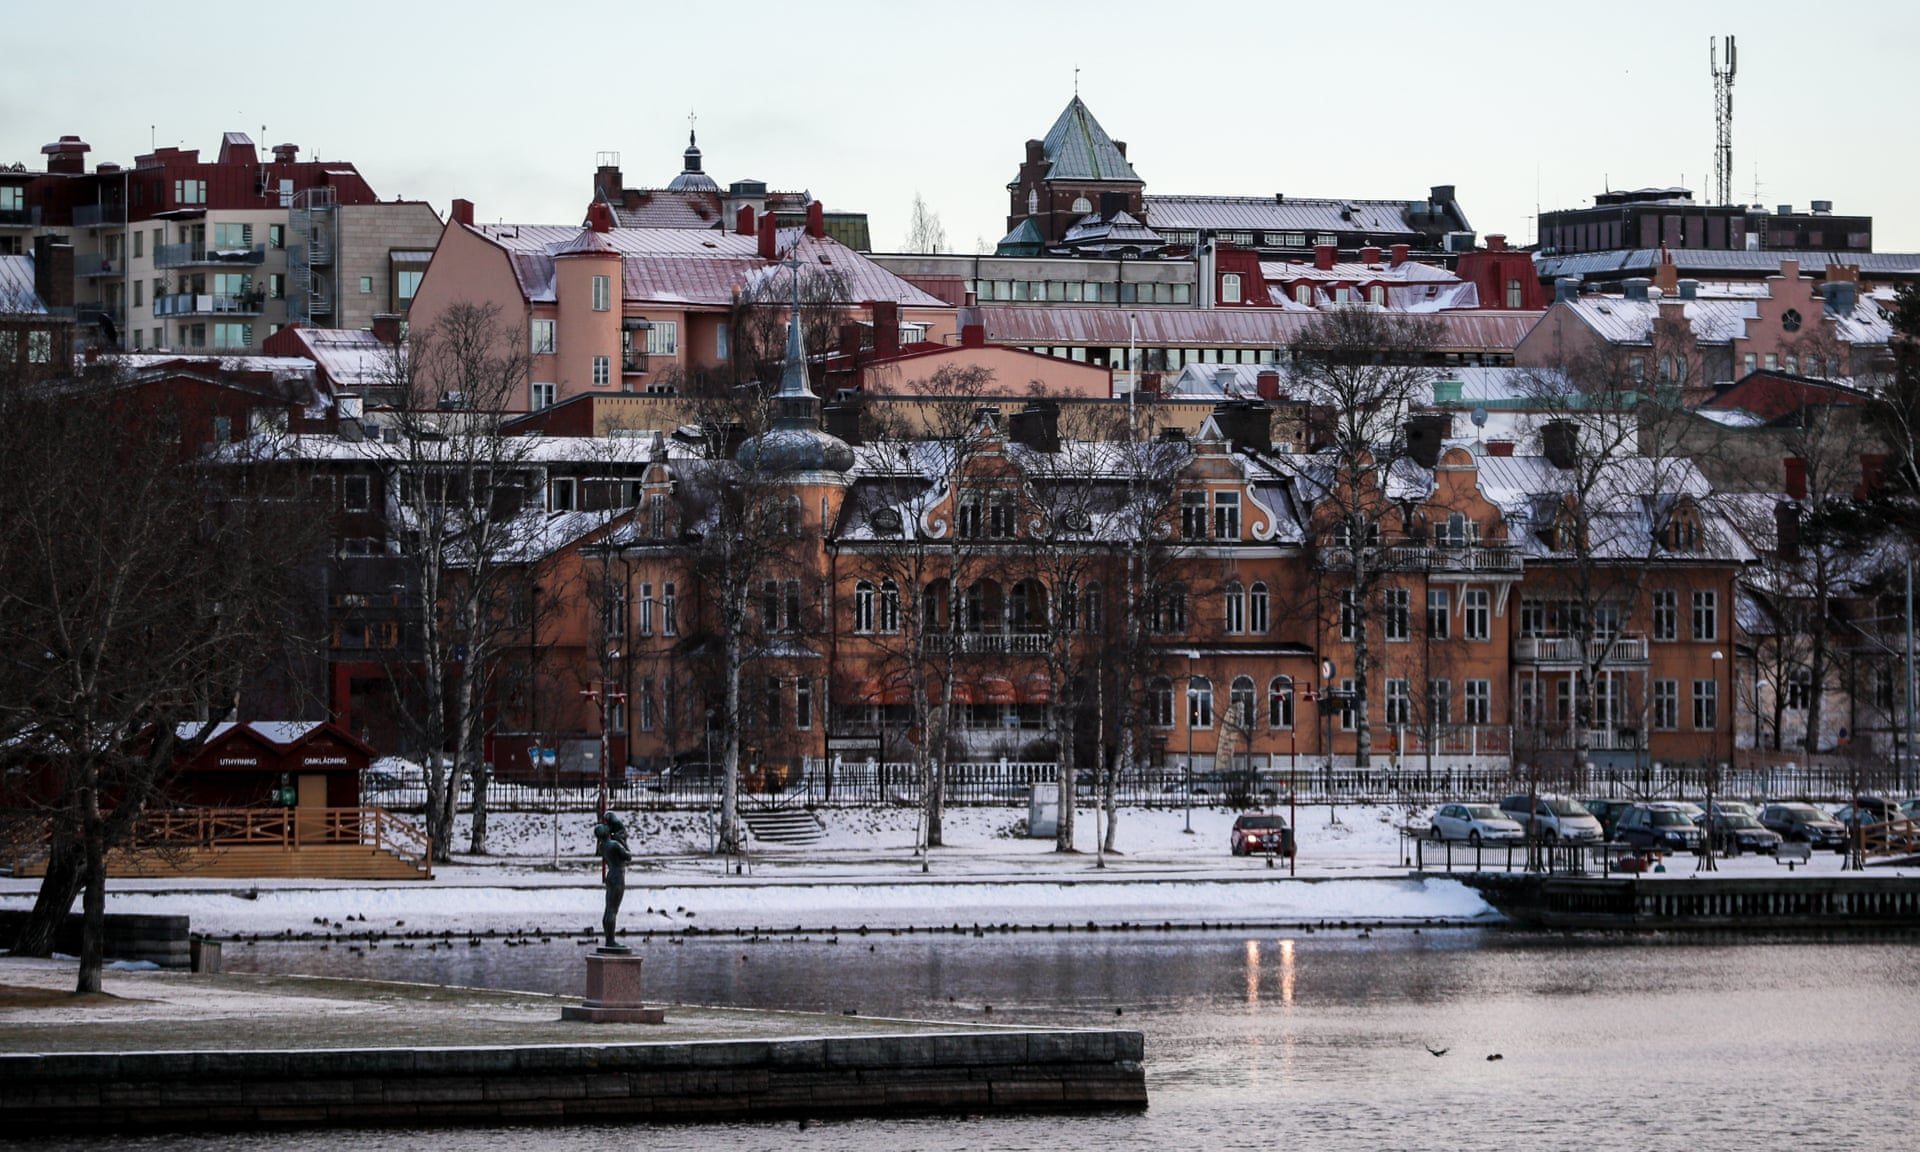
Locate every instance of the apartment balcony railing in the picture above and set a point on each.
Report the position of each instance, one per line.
(91, 266)
(1569, 651)
(1465, 560)
(19, 217)
(989, 643)
(99, 215)
(192, 255)
(192, 304)
(91, 310)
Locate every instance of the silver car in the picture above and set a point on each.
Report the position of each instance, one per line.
(1475, 824)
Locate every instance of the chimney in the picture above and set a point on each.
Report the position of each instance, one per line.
(1823, 207)
(769, 238)
(816, 219)
(973, 336)
(1399, 254)
(1841, 296)
(1149, 384)
(1796, 474)
(1838, 271)
(1369, 255)
(1496, 242)
(1245, 424)
(1037, 426)
(462, 212)
(1120, 146)
(1324, 256)
(1566, 289)
(1559, 439)
(1790, 269)
(386, 328)
(1784, 210)
(608, 183)
(1786, 530)
(1666, 277)
(851, 341)
(1689, 289)
(1426, 434)
(1267, 385)
(1635, 287)
(1499, 447)
(886, 326)
(67, 155)
(600, 216)
(286, 153)
(1036, 152)
(743, 220)
(53, 271)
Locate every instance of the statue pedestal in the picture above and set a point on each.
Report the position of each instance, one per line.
(613, 992)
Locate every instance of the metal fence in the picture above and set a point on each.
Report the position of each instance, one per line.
(868, 783)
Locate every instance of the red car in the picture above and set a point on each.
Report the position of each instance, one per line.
(1261, 832)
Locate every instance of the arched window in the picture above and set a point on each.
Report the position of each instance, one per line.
(792, 516)
(889, 607)
(1160, 702)
(1090, 608)
(863, 607)
(932, 603)
(1241, 702)
(1257, 608)
(1280, 702)
(1236, 608)
(1027, 609)
(1199, 702)
(1033, 201)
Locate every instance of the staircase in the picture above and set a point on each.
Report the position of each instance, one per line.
(784, 826)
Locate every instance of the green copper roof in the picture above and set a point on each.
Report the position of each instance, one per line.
(1081, 150)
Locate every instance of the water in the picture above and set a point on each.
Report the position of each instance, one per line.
(1312, 1039)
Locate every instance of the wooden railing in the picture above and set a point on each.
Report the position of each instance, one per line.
(199, 828)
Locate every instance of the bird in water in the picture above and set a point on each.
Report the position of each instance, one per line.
(1432, 1051)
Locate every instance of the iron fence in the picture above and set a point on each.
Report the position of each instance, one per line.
(868, 783)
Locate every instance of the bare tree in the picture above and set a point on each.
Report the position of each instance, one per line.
(925, 233)
(1363, 372)
(135, 602)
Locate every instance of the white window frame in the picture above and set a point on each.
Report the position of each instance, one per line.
(544, 395)
(540, 337)
(1706, 614)
(602, 371)
(1666, 614)
(1478, 701)
(1229, 288)
(1476, 609)
(602, 293)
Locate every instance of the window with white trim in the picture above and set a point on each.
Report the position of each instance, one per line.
(602, 293)
(1399, 613)
(1706, 705)
(1479, 701)
(1437, 613)
(541, 333)
(663, 339)
(1439, 702)
(1706, 615)
(1280, 702)
(1666, 705)
(1236, 602)
(1478, 614)
(1257, 607)
(602, 370)
(1199, 702)
(1399, 703)
(668, 613)
(544, 395)
(1666, 615)
(1229, 288)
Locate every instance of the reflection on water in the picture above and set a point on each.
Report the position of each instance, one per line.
(1316, 1038)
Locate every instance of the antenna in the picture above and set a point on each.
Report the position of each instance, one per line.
(1722, 118)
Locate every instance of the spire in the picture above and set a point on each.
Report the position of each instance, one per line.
(793, 379)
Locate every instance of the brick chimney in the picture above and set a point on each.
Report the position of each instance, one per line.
(1496, 241)
(1398, 253)
(886, 326)
(462, 212)
(600, 216)
(286, 153)
(1324, 256)
(769, 238)
(973, 336)
(851, 340)
(1369, 255)
(1266, 384)
(816, 219)
(1036, 152)
(1796, 473)
(1499, 447)
(743, 220)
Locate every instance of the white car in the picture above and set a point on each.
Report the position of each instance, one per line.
(1475, 823)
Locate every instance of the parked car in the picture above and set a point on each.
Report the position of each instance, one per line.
(1475, 823)
(1660, 827)
(1734, 807)
(1262, 832)
(1737, 832)
(1910, 808)
(1804, 822)
(1692, 811)
(1554, 819)
(1871, 810)
(1607, 812)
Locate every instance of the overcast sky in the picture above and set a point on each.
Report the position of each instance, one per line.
(867, 103)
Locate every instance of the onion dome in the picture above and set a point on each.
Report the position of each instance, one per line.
(795, 442)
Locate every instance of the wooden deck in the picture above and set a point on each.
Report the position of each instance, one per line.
(269, 843)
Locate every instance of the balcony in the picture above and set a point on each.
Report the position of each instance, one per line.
(1463, 561)
(1568, 651)
(195, 255)
(19, 217)
(190, 304)
(91, 311)
(90, 266)
(989, 643)
(99, 216)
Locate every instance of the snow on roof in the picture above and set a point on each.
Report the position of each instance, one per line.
(279, 367)
(350, 357)
(281, 732)
(1381, 218)
(694, 266)
(1219, 327)
(17, 294)
(1353, 271)
(1624, 321)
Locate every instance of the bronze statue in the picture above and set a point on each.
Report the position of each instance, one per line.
(610, 844)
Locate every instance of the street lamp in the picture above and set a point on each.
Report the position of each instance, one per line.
(1707, 863)
(602, 700)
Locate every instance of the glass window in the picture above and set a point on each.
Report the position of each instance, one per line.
(1199, 702)
(863, 607)
(1706, 615)
(1193, 515)
(602, 293)
(602, 370)
(663, 339)
(1236, 602)
(1666, 615)
(189, 191)
(1229, 288)
(1226, 515)
(1349, 712)
(1349, 618)
(407, 284)
(1160, 702)
(1257, 608)
(1479, 700)
(1666, 705)
(1516, 294)
(1280, 702)
(232, 335)
(543, 396)
(889, 607)
(645, 620)
(1706, 702)
(1439, 702)
(1437, 613)
(1398, 613)
(803, 703)
(1240, 703)
(1399, 706)
(669, 617)
(1478, 614)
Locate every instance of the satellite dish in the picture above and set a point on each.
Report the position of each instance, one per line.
(1479, 417)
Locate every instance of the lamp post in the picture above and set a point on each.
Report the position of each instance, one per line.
(1193, 715)
(602, 700)
(1707, 863)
